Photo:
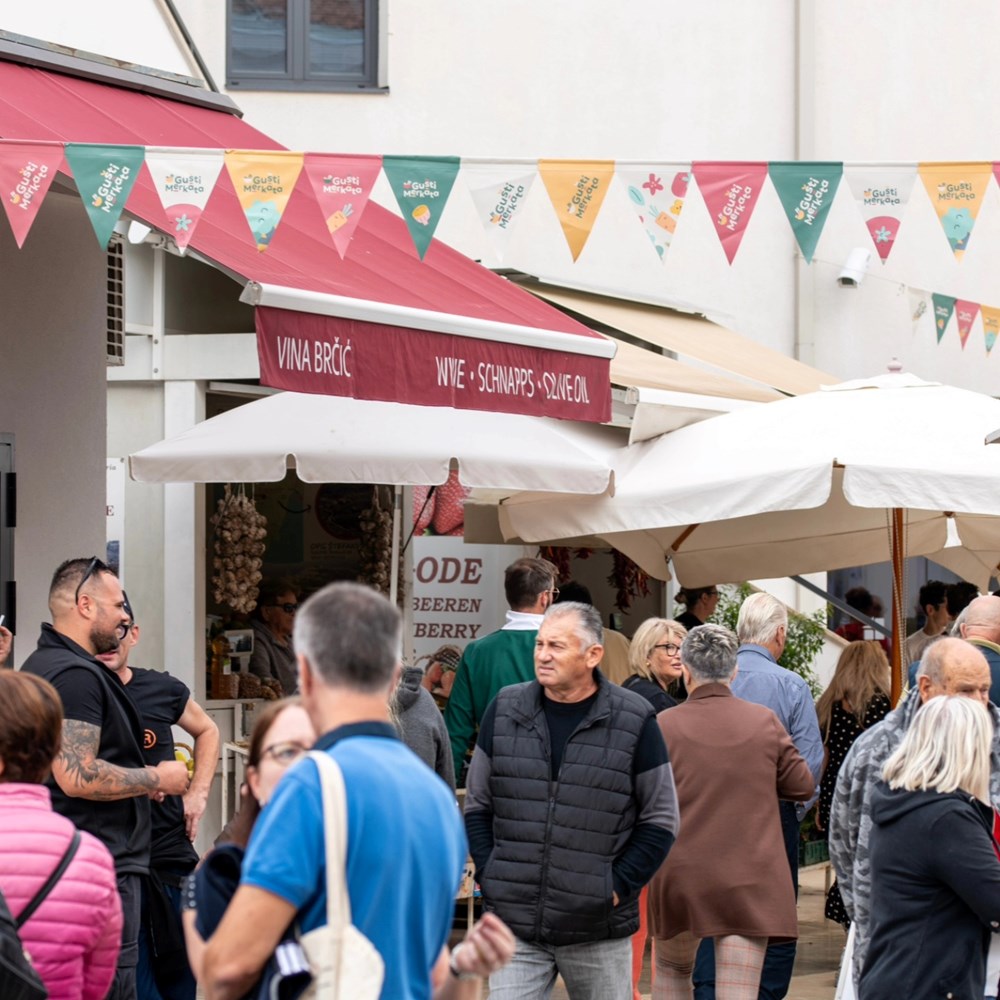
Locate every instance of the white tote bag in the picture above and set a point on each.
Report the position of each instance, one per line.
(845, 982)
(345, 964)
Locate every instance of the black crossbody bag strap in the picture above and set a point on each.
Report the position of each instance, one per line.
(50, 883)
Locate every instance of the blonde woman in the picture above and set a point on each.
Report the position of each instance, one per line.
(934, 860)
(857, 698)
(655, 659)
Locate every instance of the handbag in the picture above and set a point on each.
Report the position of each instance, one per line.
(18, 978)
(345, 964)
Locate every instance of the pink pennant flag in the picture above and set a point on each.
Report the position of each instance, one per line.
(966, 313)
(342, 185)
(27, 169)
(730, 191)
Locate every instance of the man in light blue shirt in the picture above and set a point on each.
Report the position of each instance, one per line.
(762, 627)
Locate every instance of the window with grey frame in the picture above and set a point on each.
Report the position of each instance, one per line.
(303, 45)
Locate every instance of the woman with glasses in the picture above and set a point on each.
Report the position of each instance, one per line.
(273, 620)
(281, 735)
(699, 605)
(655, 658)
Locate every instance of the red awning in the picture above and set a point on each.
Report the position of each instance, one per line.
(443, 331)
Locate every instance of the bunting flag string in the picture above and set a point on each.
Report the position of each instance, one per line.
(265, 181)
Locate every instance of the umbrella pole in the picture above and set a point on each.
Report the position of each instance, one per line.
(898, 616)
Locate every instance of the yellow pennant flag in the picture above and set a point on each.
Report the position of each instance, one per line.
(991, 325)
(263, 182)
(576, 189)
(956, 192)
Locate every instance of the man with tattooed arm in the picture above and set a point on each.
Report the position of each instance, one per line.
(99, 779)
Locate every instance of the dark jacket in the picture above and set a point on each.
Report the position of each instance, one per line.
(651, 691)
(123, 825)
(559, 845)
(935, 896)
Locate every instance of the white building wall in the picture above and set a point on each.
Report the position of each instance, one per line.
(53, 399)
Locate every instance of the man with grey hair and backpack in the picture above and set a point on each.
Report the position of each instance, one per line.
(405, 845)
(570, 809)
(762, 628)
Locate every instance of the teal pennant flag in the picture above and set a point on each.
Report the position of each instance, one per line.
(104, 177)
(944, 306)
(806, 193)
(421, 185)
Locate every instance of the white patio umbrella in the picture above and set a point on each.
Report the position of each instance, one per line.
(332, 439)
(855, 473)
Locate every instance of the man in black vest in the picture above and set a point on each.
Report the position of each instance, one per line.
(99, 778)
(570, 810)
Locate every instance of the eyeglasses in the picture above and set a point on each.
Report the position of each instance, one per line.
(94, 566)
(555, 594)
(711, 593)
(284, 754)
(671, 648)
(289, 609)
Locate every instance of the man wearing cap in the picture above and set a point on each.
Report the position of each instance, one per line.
(164, 702)
(100, 779)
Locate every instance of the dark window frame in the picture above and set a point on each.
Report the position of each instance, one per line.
(297, 76)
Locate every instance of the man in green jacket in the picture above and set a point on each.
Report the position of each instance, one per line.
(504, 657)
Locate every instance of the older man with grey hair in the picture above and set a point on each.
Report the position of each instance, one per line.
(980, 626)
(949, 667)
(762, 627)
(570, 809)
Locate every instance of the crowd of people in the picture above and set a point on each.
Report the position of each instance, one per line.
(664, 805)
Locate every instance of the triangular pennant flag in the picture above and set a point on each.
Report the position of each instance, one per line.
(991, 325)
(966, 313)
(956, 192)
(184, 179)
(730, 191)
(342, 185)
(882, 194)
(421, 185)
(944, 306)
(499, 191)
(26, 171)
(576, 189)
(806, 192)
(263, 181)
(656, 193)
(104, 177)
(920, 306)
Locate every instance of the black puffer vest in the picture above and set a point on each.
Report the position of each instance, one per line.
(549, 875)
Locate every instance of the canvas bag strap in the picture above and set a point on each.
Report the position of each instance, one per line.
(50, 882)
(331, 779)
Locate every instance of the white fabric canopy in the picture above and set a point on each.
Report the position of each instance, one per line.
(331, 439)
(796, 486)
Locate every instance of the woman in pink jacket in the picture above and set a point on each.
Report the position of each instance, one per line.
(74, 937)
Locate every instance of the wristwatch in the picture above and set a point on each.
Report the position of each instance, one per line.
(455, 970)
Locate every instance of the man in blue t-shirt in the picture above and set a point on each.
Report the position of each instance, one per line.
(406, 846)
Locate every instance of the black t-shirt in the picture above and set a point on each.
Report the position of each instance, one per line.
(562, 719)
(161, 699)
(92, 693)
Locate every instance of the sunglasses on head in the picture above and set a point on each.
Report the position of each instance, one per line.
(93, 567)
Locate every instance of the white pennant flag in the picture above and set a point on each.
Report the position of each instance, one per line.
(881, 194)
(184, 179)
(499, 190)
(656, 192)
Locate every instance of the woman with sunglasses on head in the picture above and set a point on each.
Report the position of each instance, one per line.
(281, 735)
(655, 658)
(273, 620)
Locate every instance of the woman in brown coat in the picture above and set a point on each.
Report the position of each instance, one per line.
(727, 875)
